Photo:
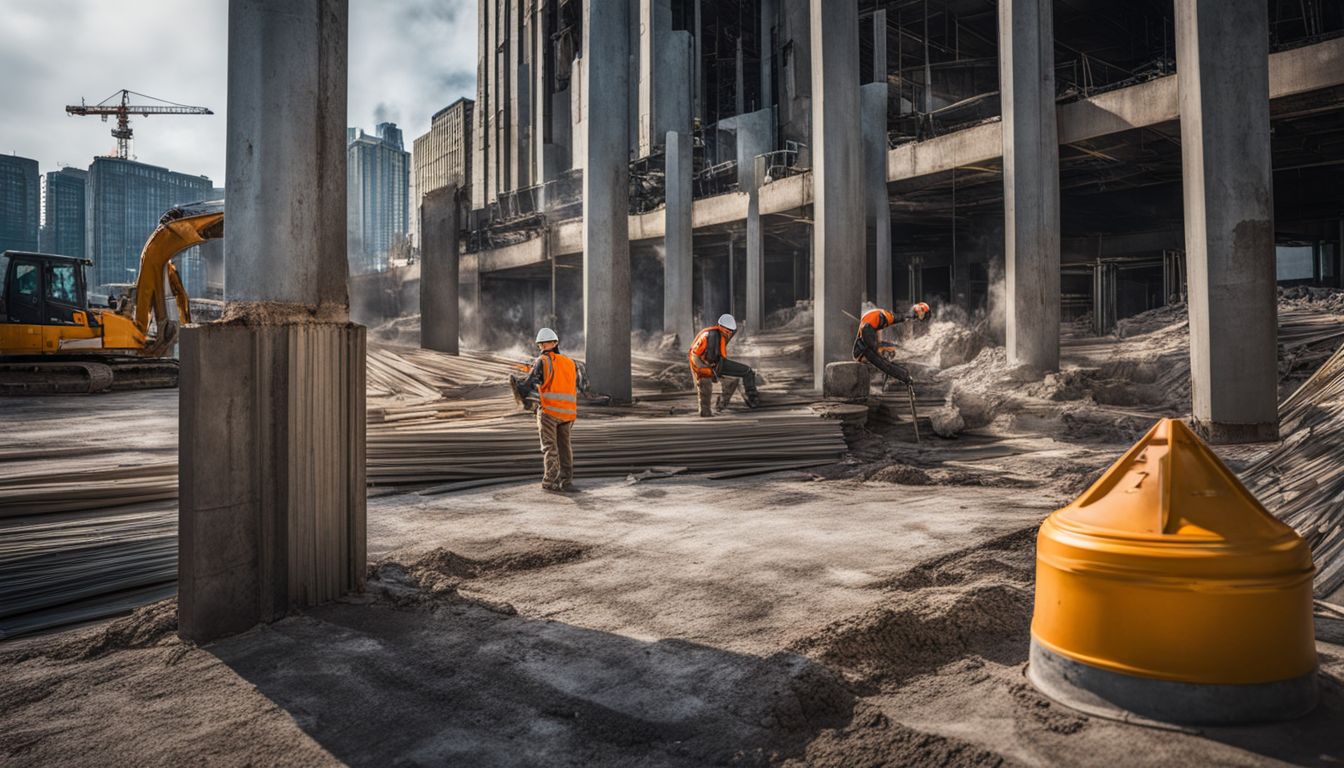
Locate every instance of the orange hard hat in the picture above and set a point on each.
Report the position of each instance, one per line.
(920, 310)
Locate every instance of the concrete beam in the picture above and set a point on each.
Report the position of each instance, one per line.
(1030, 181)
(1227, 177)
(678, 253)
(439, 271)
(1292, 72)
(837, 153)
(606, 196)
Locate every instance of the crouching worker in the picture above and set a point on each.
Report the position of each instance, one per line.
(869, 348)
(710, 363)
(556, 380)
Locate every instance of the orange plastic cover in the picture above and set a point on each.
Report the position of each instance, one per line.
(1167, 567)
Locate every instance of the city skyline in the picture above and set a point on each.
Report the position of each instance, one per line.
(386, 84)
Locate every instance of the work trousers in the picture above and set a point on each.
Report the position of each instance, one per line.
(557, 457)
(730, 373)
(882, 364)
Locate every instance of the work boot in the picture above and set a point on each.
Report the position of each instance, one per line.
(705, 391)
(753, 398)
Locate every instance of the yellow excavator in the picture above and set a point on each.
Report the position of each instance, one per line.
(53, 342)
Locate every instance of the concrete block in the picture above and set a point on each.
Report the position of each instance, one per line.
(847, 380)
(272, 485)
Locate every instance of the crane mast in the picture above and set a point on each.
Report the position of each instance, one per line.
(119, 105)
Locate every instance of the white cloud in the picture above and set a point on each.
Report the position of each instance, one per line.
(408, 59)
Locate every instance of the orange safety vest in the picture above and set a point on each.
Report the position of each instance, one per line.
(699, 367)
(875, 319)
(559, 387)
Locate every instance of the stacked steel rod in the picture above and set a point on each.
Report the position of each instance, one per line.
(80, 540)
(1302, 479)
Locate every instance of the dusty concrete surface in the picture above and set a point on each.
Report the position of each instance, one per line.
(776, 620)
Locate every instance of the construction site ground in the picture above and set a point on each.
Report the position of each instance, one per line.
(870, 609)
(802, 617)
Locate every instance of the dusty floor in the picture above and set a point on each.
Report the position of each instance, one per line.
(674, 622)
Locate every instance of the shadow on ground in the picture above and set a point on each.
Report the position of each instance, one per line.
(464, 684)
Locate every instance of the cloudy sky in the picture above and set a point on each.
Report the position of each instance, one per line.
(408, 59)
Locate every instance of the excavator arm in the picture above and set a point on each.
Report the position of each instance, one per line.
(178, 230)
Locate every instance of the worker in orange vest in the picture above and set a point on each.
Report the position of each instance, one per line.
(709, 363)
(868, 346)
(556, 380)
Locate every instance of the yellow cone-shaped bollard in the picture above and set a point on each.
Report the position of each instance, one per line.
(1168, 592)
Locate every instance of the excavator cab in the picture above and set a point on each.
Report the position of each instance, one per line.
(40, 289)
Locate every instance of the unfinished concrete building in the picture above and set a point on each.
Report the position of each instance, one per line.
(1031, 147)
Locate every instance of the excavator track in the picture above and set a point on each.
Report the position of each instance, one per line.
(85, 377)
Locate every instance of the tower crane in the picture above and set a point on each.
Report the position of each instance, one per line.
(119, 104)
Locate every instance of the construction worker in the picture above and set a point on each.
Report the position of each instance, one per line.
(869, 348)
(709, 363)
(556, 380)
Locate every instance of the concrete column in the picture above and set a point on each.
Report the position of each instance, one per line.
(1222, 56)
(606, 196)
(271, 480)
(677, 257)
(837, 232)
(1030, 181)
(755, 309)
(439, 273)
(755, 136)
(877, 205)
(768, 14)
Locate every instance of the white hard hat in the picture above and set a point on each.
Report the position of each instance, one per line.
(728, 322)
(546, 334)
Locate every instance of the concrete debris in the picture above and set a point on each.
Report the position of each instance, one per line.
(947, 421)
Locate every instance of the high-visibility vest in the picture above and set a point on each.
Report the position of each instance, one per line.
(559, 387)
(701, 344)
(877, 319)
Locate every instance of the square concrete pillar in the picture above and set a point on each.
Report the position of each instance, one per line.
(1222, 56)
(678, 252)
(271, 439)
(271, 485)
(837, 154)
(604, 96)
(439, 271)
(877, 208)
(755, 137)
(1030, 181)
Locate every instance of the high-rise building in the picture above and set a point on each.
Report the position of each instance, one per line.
(442, 156)
(125, 200)
(378, 192)
(19, 203)
(63, 215)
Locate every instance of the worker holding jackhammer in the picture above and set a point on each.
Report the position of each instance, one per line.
(709, 363)
(868, 346)
(555, 378)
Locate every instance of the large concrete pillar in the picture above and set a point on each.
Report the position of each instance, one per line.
(877, 204)
(439, 271)
(606, 196)
(271, 439)
(837, 232)
(1030, 181)
(1222, 58)
(755, 136)
(678, 251)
